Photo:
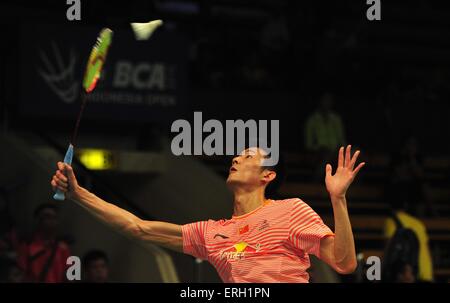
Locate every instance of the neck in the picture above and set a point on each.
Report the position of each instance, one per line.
(248, 201)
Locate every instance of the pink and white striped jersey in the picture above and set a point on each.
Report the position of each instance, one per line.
(270, 244)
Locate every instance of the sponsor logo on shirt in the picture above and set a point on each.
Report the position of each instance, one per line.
(264, 225)
(244, 229)
(239, 250)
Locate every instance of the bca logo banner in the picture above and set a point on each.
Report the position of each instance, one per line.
(141, 80)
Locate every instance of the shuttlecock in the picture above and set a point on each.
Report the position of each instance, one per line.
(143, 31)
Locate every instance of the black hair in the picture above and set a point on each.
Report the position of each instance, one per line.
(94, 255)
(43, 206)
(272, 189)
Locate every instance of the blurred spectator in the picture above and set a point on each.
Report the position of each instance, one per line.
(406, 183)
(407, 257)
(8, 234)
(8, 243)
(324, 133)
(43, 257)
(405, 273)
(10, 271)
(324, 128)
(275, 36)
(95, 267)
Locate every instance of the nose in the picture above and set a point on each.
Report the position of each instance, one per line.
(235, 160)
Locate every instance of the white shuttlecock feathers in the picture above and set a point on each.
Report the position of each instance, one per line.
(143, 31)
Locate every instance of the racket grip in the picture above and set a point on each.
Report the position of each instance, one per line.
(59, 195)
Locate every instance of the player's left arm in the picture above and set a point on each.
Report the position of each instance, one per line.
(339, 250)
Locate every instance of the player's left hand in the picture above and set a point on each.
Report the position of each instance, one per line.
(338, 183)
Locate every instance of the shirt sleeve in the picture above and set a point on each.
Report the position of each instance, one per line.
(194, 235)
(306, 228)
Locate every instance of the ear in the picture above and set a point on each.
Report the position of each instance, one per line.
(268, 176)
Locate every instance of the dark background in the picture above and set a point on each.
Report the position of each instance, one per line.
(252, 60)
(389, 76)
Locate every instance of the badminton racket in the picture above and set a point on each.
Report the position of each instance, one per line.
(91, 77)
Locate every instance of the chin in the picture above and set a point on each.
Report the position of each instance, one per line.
(231, 181)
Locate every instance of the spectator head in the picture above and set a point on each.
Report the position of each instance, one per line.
(96, 267)
(398, 202)
(326, 102)
(411, 145)
(46, 216)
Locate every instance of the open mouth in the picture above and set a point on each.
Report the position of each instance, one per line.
(232, 169)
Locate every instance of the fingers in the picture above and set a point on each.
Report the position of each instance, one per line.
(347, 155)
(70, 174)
(341, 157)
(355, 172)
(61, 176)
(354, 158)
(65, 172)
(348, 160)
(61, 171)
(328, 170)
(59, 180)
(56, 185)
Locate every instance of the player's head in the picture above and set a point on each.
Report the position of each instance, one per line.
(249, 171)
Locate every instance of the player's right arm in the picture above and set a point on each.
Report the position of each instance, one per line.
(160, 233)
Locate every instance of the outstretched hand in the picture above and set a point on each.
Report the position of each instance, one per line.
(338, 183)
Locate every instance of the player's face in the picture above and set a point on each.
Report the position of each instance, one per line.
(246, 168)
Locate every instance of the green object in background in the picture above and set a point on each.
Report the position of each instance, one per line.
(97, 59)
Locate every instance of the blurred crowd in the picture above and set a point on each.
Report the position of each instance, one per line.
(41, 256)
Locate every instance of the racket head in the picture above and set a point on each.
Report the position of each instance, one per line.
(97, 59)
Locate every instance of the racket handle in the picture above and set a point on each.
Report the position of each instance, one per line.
(59, 195)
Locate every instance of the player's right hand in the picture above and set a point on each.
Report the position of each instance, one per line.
(64, 180)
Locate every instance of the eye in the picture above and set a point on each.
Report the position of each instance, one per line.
(248, 156)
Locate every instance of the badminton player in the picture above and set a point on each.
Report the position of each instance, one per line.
(264, 240)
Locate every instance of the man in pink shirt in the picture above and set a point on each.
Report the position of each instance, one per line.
(264, 240)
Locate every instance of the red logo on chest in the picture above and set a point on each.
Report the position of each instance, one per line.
(244, 229)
